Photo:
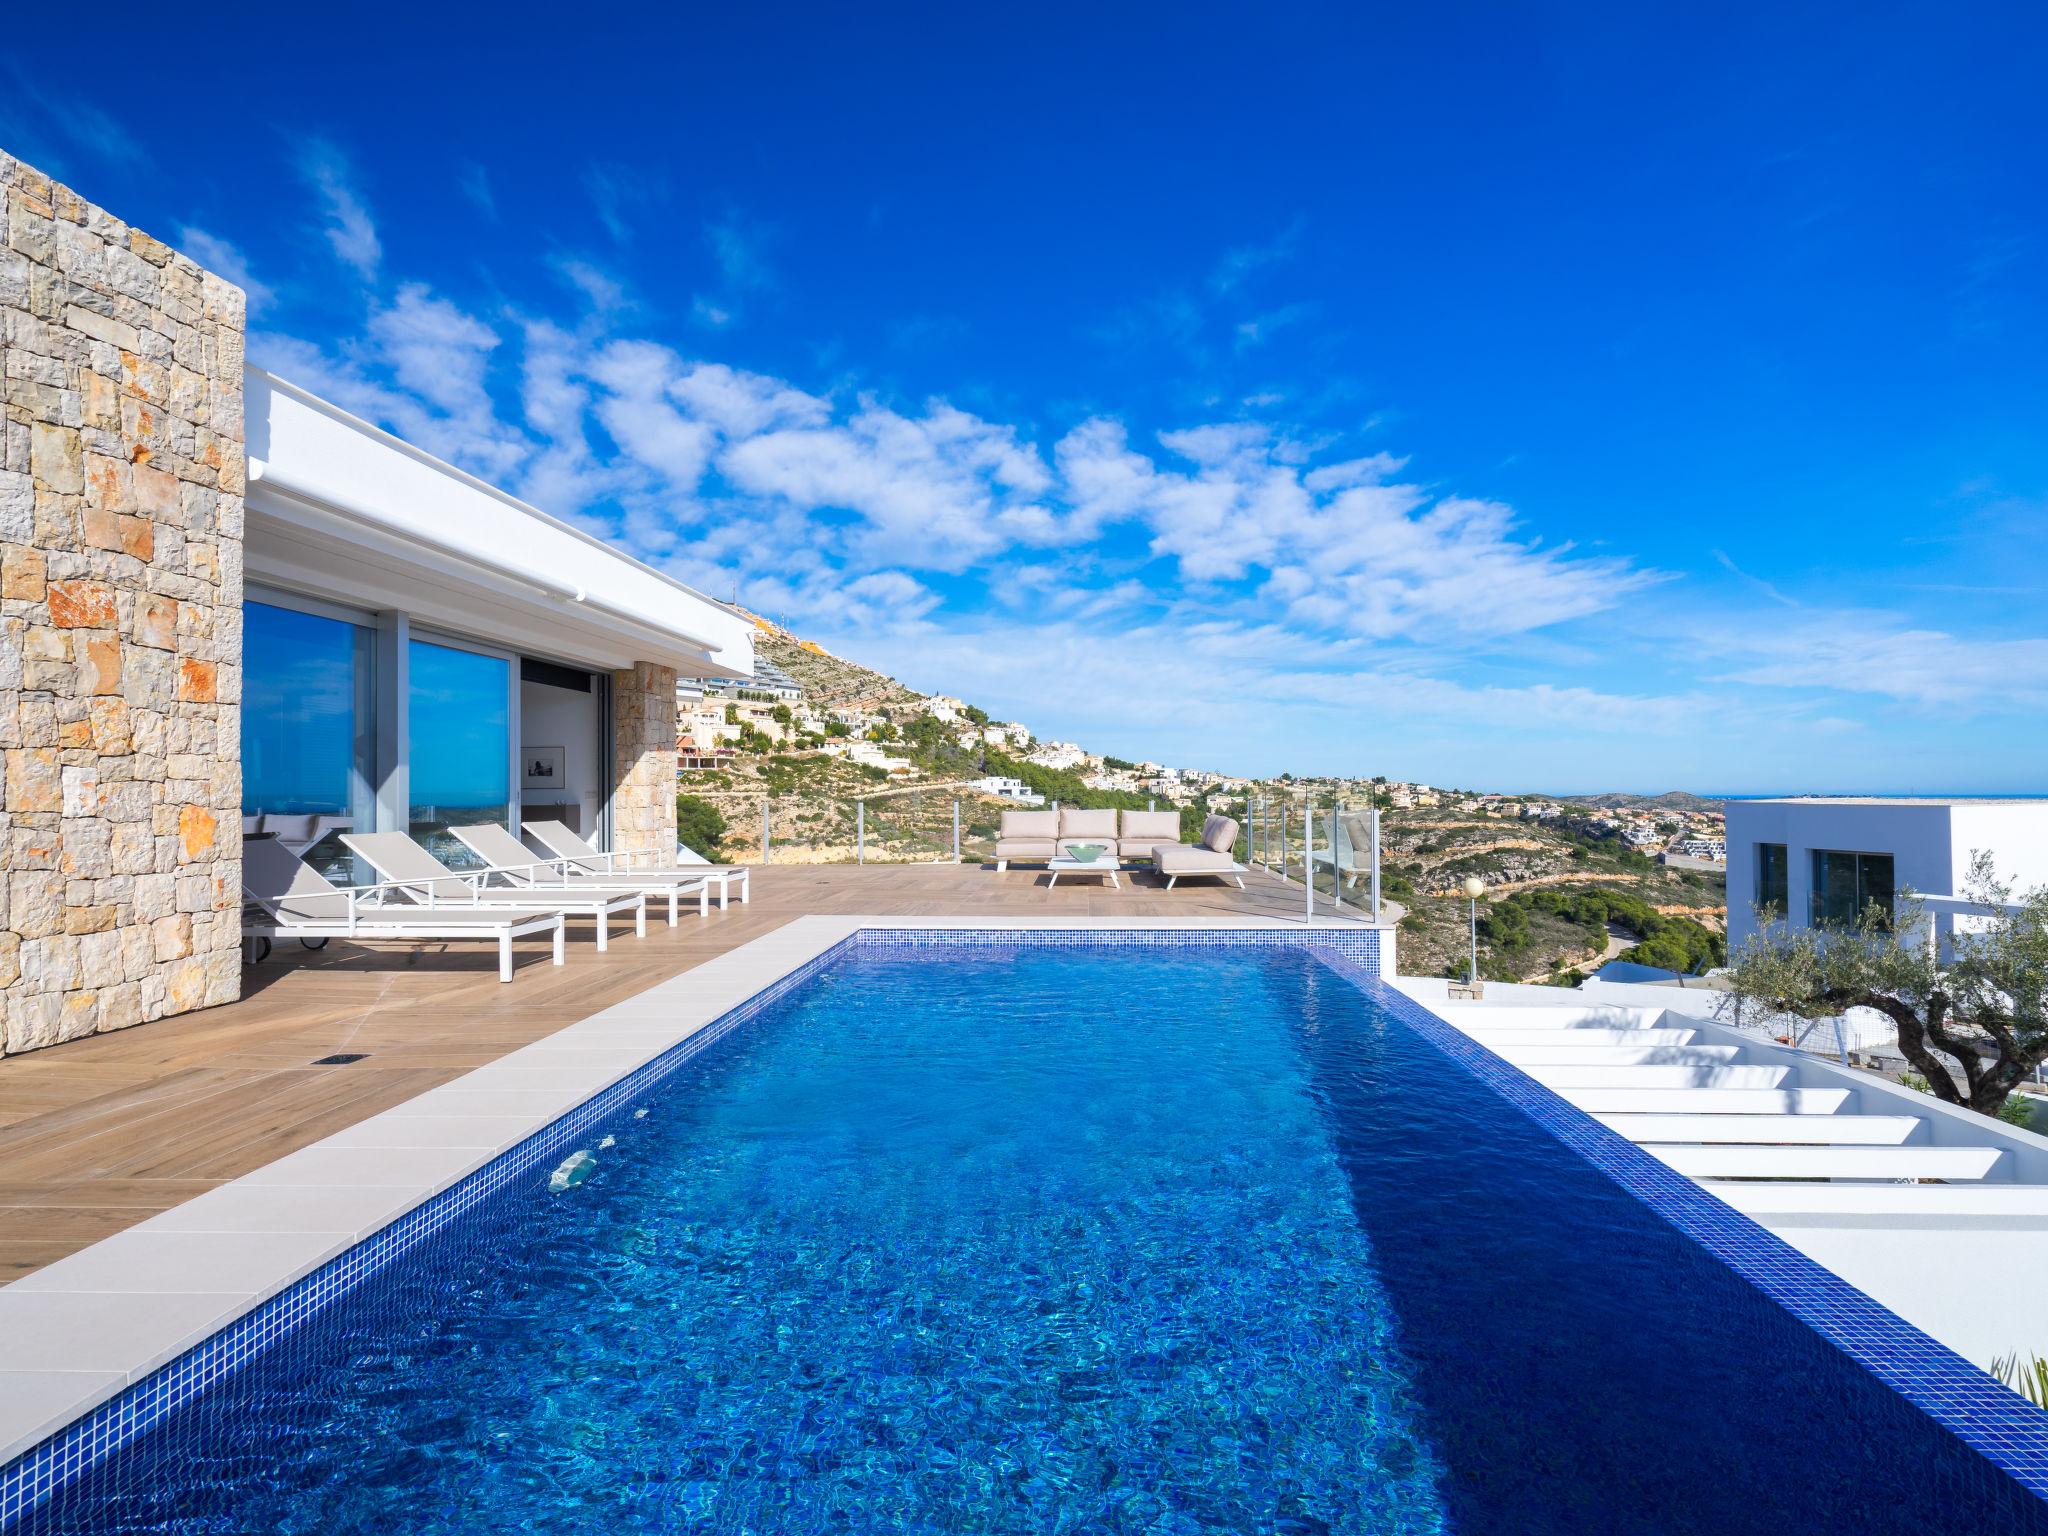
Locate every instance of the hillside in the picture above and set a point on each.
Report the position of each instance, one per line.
(1565, 891)
(1563, 895)
(1670, 800)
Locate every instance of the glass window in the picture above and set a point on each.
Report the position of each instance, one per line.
(1772, 883)
(459, 720)
(308, 730)
(1844, 884)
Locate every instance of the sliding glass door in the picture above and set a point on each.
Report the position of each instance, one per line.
(308, 730)
(459, 727)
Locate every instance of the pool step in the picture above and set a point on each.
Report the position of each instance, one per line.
(1561, 1076)
(1505, 1039)
(1740, 1162)
(1771, 1130)
(1991, 1203)
(1617, 1055)
(1708, 1101)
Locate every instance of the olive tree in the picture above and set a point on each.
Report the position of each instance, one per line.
(1974, 1022)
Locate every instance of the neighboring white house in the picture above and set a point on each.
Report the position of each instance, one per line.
(1826, 859)
(1009, 789)
(1060, 754)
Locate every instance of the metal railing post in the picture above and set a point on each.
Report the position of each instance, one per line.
(1283, 842)
(764, 829)
(956, 829)
(860, 831)
(1374, 824)
(1308, 867)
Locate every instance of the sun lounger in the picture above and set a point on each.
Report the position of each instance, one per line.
(503, 854)
(409, 868)
(297, 902)
(687, 865)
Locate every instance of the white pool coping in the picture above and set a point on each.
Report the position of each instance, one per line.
(80, 1330)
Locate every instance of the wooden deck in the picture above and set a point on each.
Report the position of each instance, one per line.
(104, 1132)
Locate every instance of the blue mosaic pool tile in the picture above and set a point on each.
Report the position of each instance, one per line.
(2010, 1436)
(1966, 1400)
(88, 1441)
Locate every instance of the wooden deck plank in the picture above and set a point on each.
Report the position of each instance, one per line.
(101, 1133)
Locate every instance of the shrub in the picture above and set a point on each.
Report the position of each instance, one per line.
(699, 826)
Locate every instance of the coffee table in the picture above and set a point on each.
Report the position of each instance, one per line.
(1104, 864)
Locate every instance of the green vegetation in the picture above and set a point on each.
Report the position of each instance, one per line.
(699, 826)
(1973, 1027)
(2028, 1377)
(1509, 930)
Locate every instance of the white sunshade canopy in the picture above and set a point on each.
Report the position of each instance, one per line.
(342, 510)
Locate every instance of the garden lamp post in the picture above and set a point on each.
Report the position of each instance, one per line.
(1474, 889)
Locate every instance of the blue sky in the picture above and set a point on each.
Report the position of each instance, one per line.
(1555, 397)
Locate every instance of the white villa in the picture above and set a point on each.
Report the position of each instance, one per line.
(1824, 860)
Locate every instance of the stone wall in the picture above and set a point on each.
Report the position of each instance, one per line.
(121, 480)
(644, 760)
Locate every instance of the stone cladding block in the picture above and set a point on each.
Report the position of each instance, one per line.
(644, 759)
(121, 477)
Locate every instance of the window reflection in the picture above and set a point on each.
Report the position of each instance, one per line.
(459, 721)
(308, 723)
(1845, 884)
(1773, 869)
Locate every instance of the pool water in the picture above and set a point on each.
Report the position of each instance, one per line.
(1058, 1240)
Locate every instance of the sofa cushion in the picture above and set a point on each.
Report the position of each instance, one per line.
(1141, 830)
(1186, 859)
(1088, 826)
(1045, 824)
(1024, 847)
(1219, 834)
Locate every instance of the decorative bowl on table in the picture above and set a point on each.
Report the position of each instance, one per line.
(1086, 853)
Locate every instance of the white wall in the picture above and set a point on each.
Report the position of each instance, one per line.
(560, 717)
(2016, 832)
(1916, 835)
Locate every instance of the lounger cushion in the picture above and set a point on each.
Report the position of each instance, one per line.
(1185, 859)
(1043, 825)
(1219, 834)
(1024, 848)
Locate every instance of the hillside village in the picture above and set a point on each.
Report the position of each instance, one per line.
(823, 756)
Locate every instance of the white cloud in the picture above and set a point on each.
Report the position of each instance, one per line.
(224, 257)
(350, 232)
(1876, 653)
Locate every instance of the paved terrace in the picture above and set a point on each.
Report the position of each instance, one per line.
(102, 1133)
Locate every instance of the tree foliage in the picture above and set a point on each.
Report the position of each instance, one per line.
(1974, 1024)
(699, 826)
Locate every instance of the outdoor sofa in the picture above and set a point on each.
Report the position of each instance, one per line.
(1128, 836)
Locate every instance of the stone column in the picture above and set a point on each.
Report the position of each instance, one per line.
(644, 759)
(121, 481)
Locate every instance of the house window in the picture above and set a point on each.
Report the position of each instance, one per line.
(1846, 884)
(308, 730)
(1773, 887)
(460, 727)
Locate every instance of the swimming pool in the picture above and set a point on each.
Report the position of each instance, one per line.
(1019, 1237)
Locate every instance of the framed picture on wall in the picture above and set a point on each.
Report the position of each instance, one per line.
(542, 767)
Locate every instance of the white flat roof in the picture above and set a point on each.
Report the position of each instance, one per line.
(2021, 800)
(341, 509)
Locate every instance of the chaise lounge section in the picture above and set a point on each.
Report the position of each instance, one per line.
(1214, 855)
